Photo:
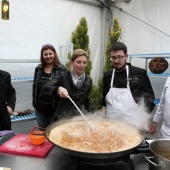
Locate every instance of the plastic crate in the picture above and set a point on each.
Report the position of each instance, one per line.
(23, 117)
(22, 78)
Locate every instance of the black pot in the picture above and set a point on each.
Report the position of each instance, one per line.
(89, 155)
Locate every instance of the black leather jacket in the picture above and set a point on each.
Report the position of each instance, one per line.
(37, 75)
(140, 85)
(80, 96)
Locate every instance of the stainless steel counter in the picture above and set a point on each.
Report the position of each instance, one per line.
(57, 160)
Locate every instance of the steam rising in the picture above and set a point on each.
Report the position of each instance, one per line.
(139, 117)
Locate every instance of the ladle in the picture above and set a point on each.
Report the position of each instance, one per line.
(79, 111)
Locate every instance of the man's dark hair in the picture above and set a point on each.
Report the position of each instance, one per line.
(118, 46)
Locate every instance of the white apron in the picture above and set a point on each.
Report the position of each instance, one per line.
(165, 129)
(120, 103)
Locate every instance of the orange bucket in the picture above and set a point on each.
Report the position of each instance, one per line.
(37, 137)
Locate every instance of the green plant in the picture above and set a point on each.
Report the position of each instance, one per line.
(80, 40)
(114, 35)
(95, 98)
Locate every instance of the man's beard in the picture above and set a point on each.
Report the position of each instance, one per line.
(121, 68)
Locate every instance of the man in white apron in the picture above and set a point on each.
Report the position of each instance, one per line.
(125, 88)
(163, 113)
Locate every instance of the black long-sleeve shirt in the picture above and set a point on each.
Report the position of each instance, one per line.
(7, 98)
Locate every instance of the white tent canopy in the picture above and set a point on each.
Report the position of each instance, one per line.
(34, 23)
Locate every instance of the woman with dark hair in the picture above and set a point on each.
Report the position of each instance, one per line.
(73, 83)
(49, 67)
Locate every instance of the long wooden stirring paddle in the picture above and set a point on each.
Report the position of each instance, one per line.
(79, 111)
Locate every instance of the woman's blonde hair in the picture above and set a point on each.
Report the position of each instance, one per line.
(77, 53)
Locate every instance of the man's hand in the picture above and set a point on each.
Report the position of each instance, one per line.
(152, 128)
(10, 111)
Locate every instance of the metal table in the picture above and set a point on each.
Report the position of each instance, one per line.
(57, 160)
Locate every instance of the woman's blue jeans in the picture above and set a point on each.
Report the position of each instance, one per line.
(43, 120)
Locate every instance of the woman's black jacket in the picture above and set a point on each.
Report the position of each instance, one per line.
(37, 74)
(7, 98)
(80, 96)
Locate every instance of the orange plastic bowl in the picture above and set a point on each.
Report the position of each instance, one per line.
(37, 137)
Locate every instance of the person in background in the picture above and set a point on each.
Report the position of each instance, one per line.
(163, 113)
(7, 100)
(125, 86)
(49, 68)
(73, 83)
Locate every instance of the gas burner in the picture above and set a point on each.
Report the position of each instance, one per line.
(116, 166)
(120, 163)
(142, 148)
